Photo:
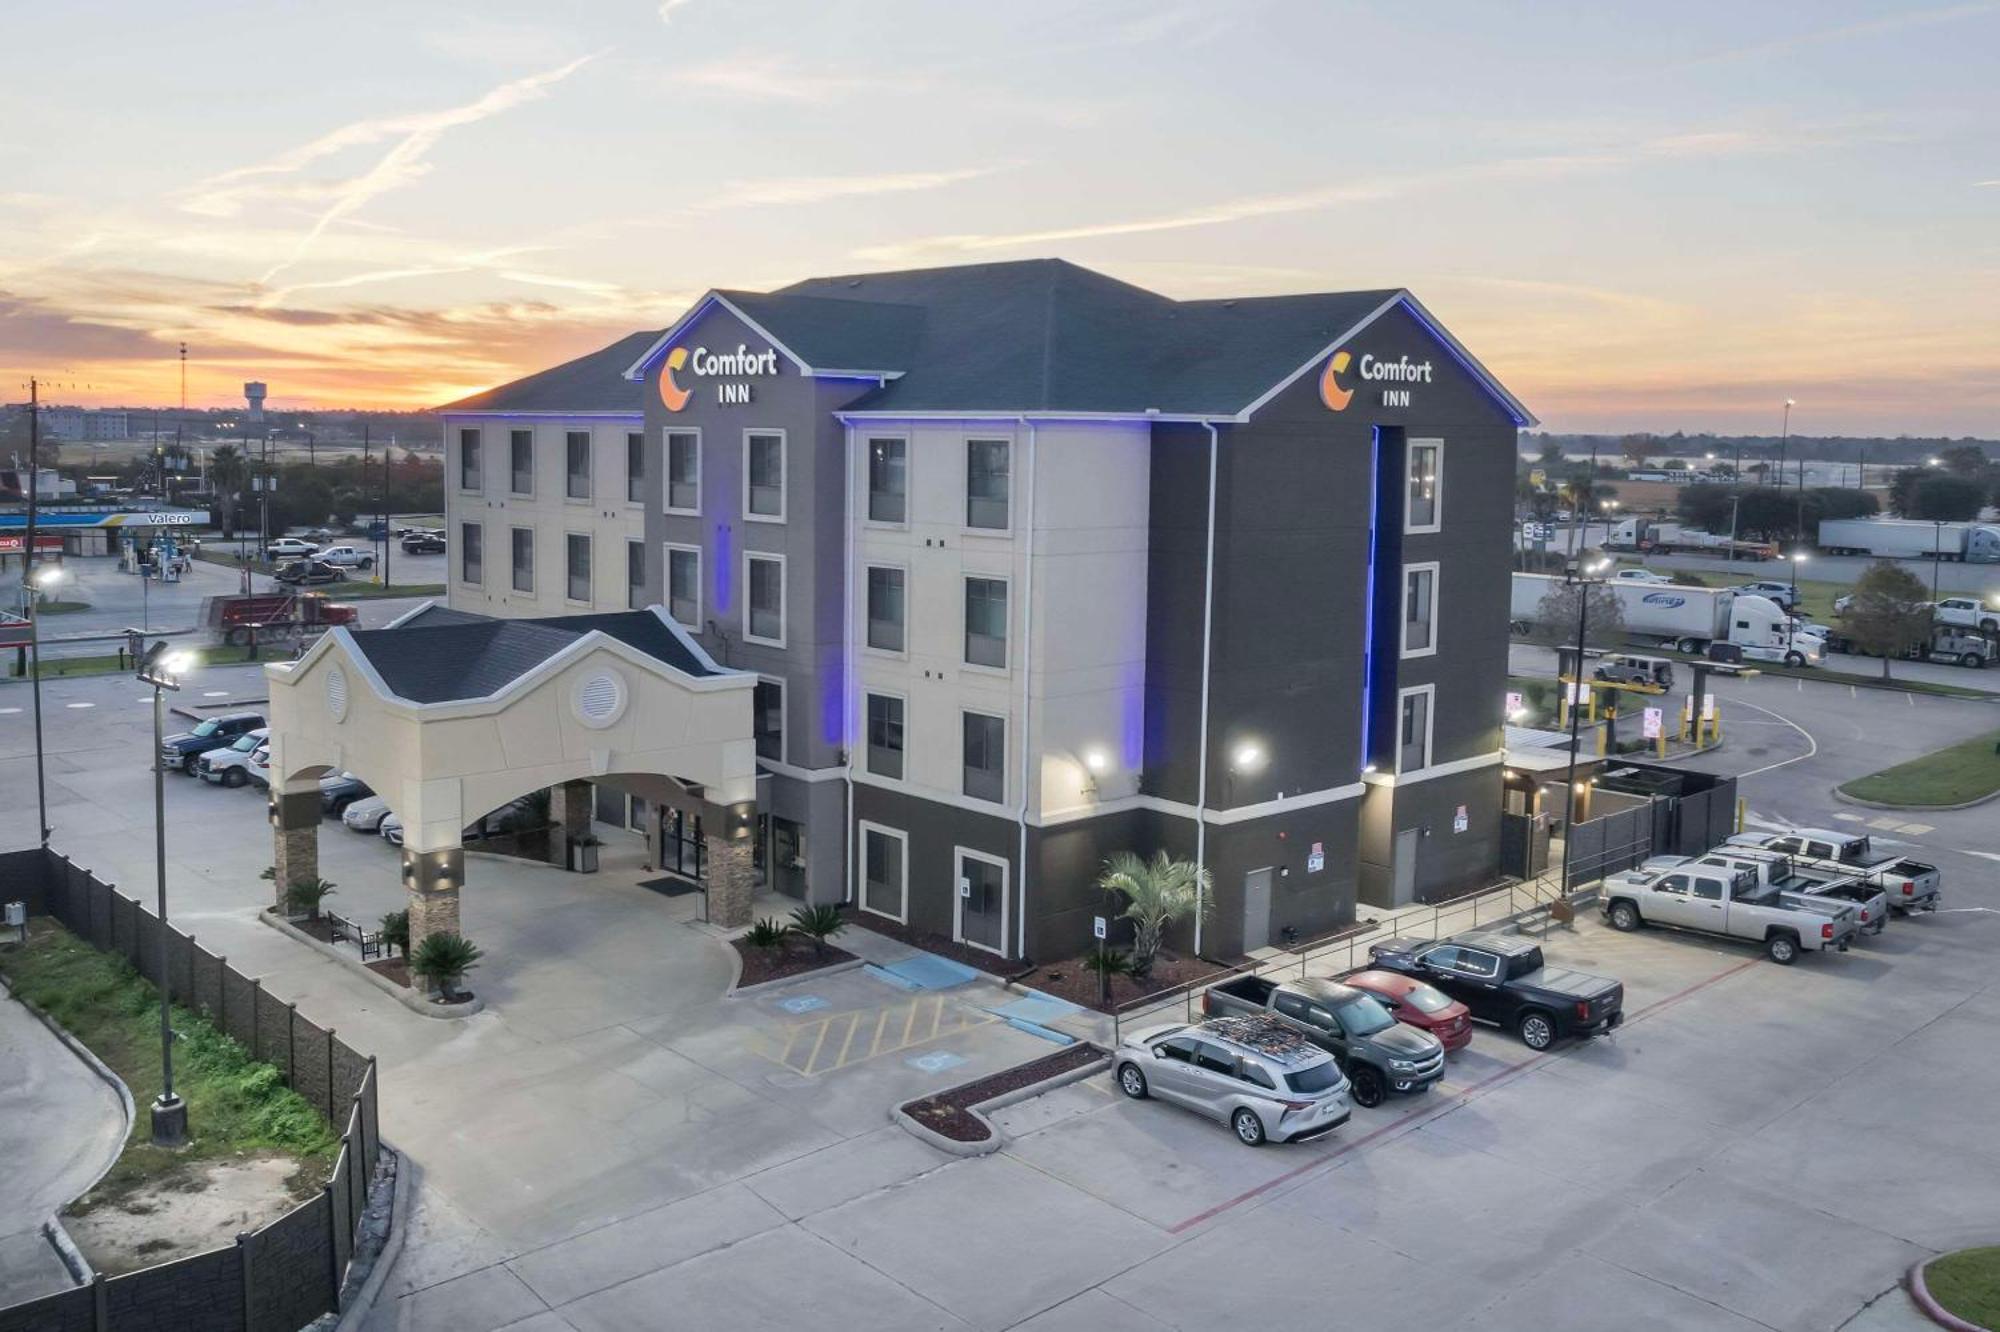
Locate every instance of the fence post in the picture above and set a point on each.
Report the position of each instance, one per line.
(100, 1311)
(357, 1169)
(243, 1268)
(329, 1073)
(222, 995)
(256, 1018)
(292, 1045)
(332, 1244)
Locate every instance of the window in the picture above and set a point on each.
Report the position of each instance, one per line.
(1255, 1074)
(1180, 1049)
(521, 461)
(524, 559)
(986, 622)
(1420, 610)
(1485, 966)
(985, 756)
(635, 468)
(1413, 736)
(885, 736)
(764, 608)
(986, 484)
(1316, 1078)
(1708, 890)
(468, 460)
(471, 553)
(764, 477)
(1214, 1059)
(885, 609)
(885, 872)
(767, 719)
(683, 471)
(1444, 958)
(635, 574)
(576, 444)
(1420, 508)
(576, 561)
(888, 480)
(1291, 1006)
(684, 586)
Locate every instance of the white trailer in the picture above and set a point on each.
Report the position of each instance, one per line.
(1911, 539)
(1688, 619)
(1647, 534)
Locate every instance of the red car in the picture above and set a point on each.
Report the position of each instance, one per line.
(1420, 1005)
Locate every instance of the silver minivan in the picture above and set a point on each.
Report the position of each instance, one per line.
(1255, 1074)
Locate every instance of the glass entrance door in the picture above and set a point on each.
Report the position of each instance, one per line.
(682, 851)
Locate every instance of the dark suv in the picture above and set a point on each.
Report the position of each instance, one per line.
(179, 751)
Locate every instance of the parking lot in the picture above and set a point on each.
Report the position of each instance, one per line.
(1757, 1147)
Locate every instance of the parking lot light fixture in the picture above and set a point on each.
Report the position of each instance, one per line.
(163, 667)
(1798, 558)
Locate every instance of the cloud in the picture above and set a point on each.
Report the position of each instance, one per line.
(762, 78)
(784, 190)
(667, 8)
(1985, 184)
(1919, 18)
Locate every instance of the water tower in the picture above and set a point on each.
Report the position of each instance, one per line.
(253, 394)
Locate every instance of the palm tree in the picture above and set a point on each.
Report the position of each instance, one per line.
(227, 471)
(1158, 892)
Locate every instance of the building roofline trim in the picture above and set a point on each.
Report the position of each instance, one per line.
(576, 416)
(637, 370)
(1043, 414)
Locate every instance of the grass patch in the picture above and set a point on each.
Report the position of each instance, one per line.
(353, 591)
(1966, 771)
(60, 607)
(236, 1104)
(221, 654)
(1967, 1283)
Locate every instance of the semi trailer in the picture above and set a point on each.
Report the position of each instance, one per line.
(1911, 539)
(1688, 619)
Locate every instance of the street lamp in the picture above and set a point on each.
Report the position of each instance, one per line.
(34, 583)
(1582, 578)
(1798, 558)
(162, 668)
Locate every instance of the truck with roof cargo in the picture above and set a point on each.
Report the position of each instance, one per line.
(1378, 1053)
(1502, 979)
(1650, 535)
(1689, 619)
(1910, 884)
(1911, 538)
(1727, 901)
(1775, 869)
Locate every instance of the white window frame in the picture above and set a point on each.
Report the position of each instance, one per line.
(784, 474)
(512, 431)
(1430, 727)
(784, 719)
(866, 748)
(902, 839)
(784, 597)
(1006, 766)
(966, 442)
(904, 570)
(959, 855)
(667, 583)
(667, 469)
(589, 495)
(909, 480)
(1437, 494)
(1402, 609)
(460, 560)
(534, 558)
(590, 546)
(965, 628)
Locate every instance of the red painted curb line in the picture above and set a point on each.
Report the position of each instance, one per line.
(1920, 1294)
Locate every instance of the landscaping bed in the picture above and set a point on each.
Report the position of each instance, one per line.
(1072, 980)
(793, 957)
(976, 958)
(949, 1112)
(1964, 772)
(256, 1148)
(1967, 1284)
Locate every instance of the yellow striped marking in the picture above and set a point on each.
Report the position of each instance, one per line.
(832, 1041)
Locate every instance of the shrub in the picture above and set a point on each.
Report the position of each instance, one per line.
(396, 931)
(818, 923)
(1157, 892)
(769, 932)
(443, 959)
(306, 895)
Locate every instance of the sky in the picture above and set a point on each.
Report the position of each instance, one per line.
(1640, 216)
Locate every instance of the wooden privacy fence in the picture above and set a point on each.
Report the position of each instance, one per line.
(276, 1279)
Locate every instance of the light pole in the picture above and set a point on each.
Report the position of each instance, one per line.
(1575, 577)
(162, 669)
(1798, 558)
(34, 584)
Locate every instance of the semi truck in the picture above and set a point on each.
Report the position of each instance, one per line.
(1649, 534)
(1911, 539)
(1689, 619)
(275, 617)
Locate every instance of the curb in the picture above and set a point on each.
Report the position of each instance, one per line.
(1920, 1295)
(363, 1303)
(408, 998)
(995, 1139)
(736, 991)
(1857, 801)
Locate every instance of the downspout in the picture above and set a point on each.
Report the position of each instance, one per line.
(1027, 669)
(849, 686)
(1207, 645)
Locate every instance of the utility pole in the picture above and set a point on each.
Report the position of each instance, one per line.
(1582, 585)
(29, 587)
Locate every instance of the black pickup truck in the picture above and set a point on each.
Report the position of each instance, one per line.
(179, 750)
(1501, 978)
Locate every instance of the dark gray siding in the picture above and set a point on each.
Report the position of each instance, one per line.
(935, 831)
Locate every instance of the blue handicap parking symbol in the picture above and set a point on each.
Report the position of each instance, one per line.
(937, 1061)
(802, 1003)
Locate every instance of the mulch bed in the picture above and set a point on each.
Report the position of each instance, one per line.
(950, 1112)
(943, 945)
(788, 959)
(396, 969)
(1071, 980)
(319, 927)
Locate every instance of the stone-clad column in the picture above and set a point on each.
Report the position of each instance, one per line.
(727, 834)
(433, 879)
(570, 811)
(295, 813)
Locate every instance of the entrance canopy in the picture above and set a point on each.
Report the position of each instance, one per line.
(448, 715)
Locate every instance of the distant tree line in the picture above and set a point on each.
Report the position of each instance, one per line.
(1636, 447)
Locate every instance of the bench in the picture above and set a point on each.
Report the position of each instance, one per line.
(348, 931)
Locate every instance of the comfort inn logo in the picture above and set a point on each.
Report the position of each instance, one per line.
(671, 393)
(1332, 392)
(738, 366)
(1402, 370)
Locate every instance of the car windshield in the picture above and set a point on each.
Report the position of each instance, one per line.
(1426, 1000)
(247, 743)
(1363, 1016)
(1318, 1078)
(207, 728)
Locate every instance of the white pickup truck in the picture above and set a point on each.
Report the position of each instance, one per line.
(1728, 902)
(1911, 884)
(1775, 869)
(345, 557)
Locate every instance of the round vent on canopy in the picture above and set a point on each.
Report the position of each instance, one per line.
(336, 693)
(599, 699)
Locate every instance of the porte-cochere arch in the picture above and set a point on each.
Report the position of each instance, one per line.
(448, 715)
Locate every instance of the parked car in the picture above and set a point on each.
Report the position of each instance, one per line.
(366, 814)
(345, 557)
(1967, 613)
(309, 573)
(1782, 593)
(510, 817)
(1728, 902)
(1422, 1006)
(1260, 1077)
(1641, 576)
(424, 543)
(258, 769)
(1775, 869)
(228, 766)
(1632, 668)
(319, 534)
(1378, 1054)
(1502, 979)
(1911, 884)
(338, 790)
(179, 751)
(288, 548)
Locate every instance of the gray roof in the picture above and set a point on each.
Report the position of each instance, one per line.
(441, 655)
(592, 383)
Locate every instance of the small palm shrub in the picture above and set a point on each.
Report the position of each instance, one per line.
(818, 923)
(396, 931)
(306, 895)
(768, 933)
(443, 960)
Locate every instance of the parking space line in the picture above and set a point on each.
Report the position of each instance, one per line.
(813, 1058)
(881, 1021)
(852, 1027)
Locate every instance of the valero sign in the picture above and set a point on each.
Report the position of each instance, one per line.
(1336, 393)
(730, 371)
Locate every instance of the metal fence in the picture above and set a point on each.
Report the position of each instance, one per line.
(275, 1279)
